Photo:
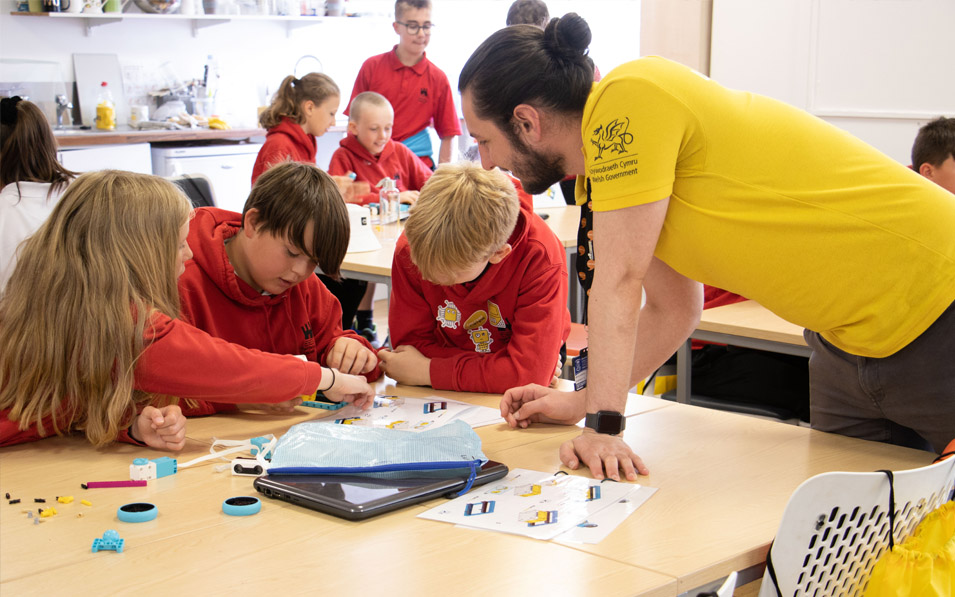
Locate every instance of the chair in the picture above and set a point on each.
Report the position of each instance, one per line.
(197, 187)
(724, 590)
(728, 586)
(836, 526)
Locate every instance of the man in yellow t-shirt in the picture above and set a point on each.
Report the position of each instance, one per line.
(692, 182)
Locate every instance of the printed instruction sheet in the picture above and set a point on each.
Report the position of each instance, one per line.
(415, 414)
(545, 506)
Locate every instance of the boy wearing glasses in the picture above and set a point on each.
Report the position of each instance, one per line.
(417, 89)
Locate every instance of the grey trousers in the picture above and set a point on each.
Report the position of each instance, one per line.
(907, 398)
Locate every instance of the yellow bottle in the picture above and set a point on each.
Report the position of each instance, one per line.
(105, 109)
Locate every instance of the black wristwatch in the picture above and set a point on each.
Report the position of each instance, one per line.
(609, 422)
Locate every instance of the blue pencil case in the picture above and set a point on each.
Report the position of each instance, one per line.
(317, 447)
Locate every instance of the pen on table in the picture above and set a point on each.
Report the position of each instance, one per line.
(104, 484)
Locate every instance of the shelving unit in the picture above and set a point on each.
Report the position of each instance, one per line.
(92, 20)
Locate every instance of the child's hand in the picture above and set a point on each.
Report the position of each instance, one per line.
(350, 356)
(557, 371)
(408, 197)
(521, 407)
(352, 191)
(406, 365)
(351, 388)
(161, 428)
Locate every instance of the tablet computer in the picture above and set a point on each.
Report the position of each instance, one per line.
(357, 498)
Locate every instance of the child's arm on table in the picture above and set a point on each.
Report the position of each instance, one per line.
(408, 197)
(161, 428)
(349, 355)
(407, 365)
(342, 349)
(179, 357)
(349, 388)
(343, 173)
(169, 433)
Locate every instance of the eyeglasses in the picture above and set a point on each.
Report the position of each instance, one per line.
(413, 28)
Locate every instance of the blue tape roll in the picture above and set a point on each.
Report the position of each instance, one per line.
(137, 512)
(241, 506)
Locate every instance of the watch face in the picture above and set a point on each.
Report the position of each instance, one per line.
(606, 421)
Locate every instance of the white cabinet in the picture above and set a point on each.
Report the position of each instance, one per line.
(134, 157)
(229, 167)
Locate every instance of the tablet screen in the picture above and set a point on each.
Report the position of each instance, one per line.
(361, 497)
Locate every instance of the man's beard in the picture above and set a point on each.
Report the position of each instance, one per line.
(536, 171)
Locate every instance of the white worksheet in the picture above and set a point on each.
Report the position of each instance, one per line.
(416, 414)
(540, 505)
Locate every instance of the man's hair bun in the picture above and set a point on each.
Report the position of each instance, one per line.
(567, 37)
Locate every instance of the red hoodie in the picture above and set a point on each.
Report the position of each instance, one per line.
(516, 311)
(284, 141)
(180, 360)
(395, 161)
(305, 319)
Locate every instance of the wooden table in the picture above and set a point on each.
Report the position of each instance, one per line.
(723, 481)
(193, 548)
(746, 324)
(375, 266)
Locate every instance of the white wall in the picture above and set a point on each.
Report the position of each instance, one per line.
(256, 55)
(879, 69)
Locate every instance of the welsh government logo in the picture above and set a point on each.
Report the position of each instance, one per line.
(613, 137)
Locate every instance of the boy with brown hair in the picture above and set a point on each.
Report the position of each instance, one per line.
(252, 278)
(479, 288)
(417, 89)
(933, 153)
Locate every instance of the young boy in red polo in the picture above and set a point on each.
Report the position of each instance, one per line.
(479, 288)
(252, 280)
(369, 152)
(417, 89)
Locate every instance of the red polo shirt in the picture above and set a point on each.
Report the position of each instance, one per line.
(419, 94)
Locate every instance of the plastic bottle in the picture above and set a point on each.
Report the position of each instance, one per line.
(210, 86)
(389, 199)
(105, 109)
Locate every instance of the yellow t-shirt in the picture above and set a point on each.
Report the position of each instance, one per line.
(774, 204)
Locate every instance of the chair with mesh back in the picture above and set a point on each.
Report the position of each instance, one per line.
(197, 187)
(836, 525)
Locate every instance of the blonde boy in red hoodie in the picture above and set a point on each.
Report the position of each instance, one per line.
(251, 280)
(369, 152)
(479, 288)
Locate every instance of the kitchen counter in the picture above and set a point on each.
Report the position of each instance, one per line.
(124, 135)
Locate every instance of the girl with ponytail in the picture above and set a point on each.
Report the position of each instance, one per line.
(301, 110)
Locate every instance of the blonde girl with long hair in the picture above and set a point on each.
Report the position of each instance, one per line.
(90, 338)
(301, 110)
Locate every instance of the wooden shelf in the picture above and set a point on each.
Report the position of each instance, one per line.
(91, 20)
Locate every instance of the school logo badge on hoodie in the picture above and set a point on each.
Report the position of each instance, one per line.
(308, 340)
